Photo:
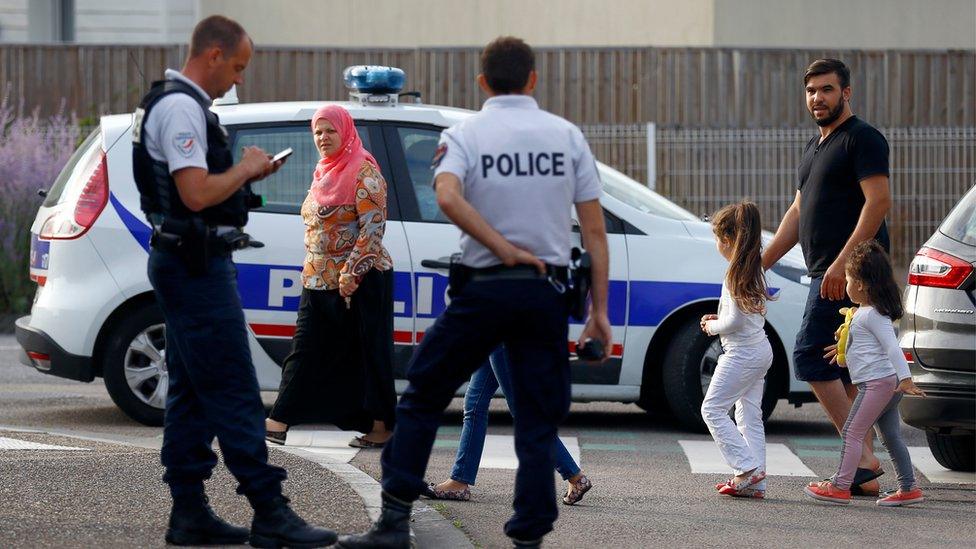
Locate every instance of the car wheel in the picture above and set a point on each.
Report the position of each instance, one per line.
(956, 452)
(689, 364)
(134, 366)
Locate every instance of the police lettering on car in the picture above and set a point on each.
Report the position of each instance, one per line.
(508, 177)
(196, 201)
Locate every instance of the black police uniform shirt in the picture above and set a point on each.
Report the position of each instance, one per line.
(176, 130)
(831, 197)
(522, 169)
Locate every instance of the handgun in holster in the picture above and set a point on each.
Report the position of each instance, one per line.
(580, 280)
(457, 276)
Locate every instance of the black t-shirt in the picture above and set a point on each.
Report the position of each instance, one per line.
(831, 198)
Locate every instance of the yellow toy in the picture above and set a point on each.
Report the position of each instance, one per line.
(842, 334)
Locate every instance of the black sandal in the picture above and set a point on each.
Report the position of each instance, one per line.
(862, 476)
(276, 437)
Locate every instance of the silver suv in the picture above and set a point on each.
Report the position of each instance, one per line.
(939, 338)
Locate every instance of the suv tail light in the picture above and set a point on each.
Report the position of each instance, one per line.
(65, 224)
(938, 269)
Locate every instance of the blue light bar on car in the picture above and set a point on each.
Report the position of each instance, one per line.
(374, 79)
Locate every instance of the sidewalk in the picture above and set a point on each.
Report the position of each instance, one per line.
(60, 491)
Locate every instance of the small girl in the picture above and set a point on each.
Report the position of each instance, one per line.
(740, 374)
(878, 368)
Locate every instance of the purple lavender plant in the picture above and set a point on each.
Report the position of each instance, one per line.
(32, 153)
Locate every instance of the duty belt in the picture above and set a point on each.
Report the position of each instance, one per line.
(220, 240)
(557, 276)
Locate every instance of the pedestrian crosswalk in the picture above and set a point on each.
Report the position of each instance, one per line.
(705, 457)
(702, 455)
(7, 443)
(499, 452)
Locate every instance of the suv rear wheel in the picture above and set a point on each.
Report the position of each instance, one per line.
(134, 367)
(956, 452)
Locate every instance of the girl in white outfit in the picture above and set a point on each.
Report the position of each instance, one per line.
(740, 374)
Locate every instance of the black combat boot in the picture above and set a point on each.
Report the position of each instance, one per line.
(390, 531)
(276, 525)
(193, 522)
(520, 544)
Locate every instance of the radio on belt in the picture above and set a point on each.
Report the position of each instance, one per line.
(373, 85)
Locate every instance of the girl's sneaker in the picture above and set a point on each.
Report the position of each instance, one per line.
(901, 497)
(826, 491)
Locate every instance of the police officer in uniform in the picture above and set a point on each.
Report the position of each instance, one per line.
(508, 177)
(197, 200)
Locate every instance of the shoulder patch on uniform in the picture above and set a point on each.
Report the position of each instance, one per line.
(438, 156)
(186, 143)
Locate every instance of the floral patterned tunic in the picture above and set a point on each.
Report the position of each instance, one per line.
(347, 238)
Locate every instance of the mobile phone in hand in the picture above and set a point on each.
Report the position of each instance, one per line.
(282, 155)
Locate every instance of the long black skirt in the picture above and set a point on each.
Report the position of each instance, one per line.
(340, 369)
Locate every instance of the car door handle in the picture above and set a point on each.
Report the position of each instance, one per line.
(442, 263)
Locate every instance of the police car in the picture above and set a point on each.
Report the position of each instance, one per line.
(94, 313)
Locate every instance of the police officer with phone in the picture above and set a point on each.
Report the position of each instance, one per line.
(508, 177)
(196, 200)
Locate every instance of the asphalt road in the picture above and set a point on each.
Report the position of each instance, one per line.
(644, 494)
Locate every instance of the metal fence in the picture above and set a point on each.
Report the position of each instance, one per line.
(675, 87)
(703, 169)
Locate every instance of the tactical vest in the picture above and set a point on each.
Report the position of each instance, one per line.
(159, 198)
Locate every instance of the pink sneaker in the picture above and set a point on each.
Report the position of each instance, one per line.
(901, 497)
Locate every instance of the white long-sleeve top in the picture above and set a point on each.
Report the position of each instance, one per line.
(873, 351)
(736, 327)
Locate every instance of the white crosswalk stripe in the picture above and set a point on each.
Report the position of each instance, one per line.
(704, 457)
(15, 444)
(332, 443)
(499, 452)
(925, 462)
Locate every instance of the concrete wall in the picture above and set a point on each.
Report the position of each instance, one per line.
(101, 21)
(846, 24)
(13, 21)
(396, 23)
(134, 21)
(834, 24)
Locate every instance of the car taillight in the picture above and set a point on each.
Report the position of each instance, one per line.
(65, 223)
(938, 269)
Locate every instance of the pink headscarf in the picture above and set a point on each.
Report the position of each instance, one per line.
(335, 177)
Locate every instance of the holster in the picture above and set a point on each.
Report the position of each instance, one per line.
(457, 276)
(580, 280)
(195, 243)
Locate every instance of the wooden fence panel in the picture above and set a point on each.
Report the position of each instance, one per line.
(673, 87)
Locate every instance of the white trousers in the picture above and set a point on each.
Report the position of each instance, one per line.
(739, 379)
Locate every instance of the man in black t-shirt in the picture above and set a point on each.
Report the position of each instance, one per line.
(841, 200)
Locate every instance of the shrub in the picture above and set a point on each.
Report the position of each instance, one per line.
(32, 153)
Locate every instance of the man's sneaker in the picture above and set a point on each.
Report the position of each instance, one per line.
(825, 491)
(193, 522)
(277, 525)
(901, 497)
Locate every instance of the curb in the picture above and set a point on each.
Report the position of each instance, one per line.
(433, 531)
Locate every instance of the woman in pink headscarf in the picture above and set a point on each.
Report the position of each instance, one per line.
(340, 369)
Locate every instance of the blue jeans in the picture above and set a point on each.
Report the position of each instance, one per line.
(478, 396)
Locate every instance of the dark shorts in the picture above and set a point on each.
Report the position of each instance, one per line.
(821, 318)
